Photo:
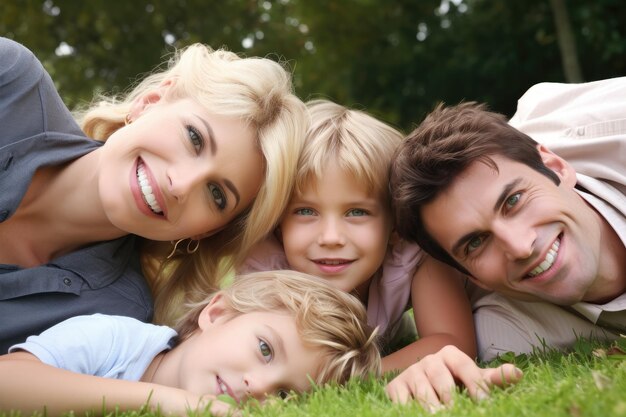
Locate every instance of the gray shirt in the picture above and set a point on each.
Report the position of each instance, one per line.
(36, 130)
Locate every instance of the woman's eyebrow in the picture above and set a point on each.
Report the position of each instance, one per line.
(211, 138)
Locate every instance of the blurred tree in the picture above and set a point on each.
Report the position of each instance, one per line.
(395, 58)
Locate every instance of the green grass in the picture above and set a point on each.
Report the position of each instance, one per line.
(589, 381)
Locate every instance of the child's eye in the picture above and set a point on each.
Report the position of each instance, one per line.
(266, 350)
(195, 137)
(283, 394)
(304, 212)
(356, 212)
(218, 196)
(512, 200)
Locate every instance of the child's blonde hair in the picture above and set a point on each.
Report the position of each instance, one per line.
(327, 319)
(359, 143)
(258, 91)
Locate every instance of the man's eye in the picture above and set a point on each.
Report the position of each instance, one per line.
(304, 212)
(512, 200)
(357, 212)
(195, 138)
(218, 196)
(474, 243)
(265, 350)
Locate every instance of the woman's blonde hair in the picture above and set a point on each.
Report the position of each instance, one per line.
(258, 91)
(327, 319)
(359, 143)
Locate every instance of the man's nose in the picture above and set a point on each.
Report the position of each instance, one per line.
(516, 239)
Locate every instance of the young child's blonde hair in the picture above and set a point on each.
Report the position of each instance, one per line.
(258, 91)
(359, 143)
(327, 319)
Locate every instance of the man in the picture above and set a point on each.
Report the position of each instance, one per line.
(528, 219)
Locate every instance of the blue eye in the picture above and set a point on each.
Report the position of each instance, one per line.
(218, 196)
(357, 212)
(266, 350)
(195, 138)
(305, 212)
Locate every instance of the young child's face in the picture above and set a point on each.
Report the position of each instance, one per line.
(336, 230)
(250, 355)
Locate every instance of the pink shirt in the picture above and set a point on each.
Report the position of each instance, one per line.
(390, 288)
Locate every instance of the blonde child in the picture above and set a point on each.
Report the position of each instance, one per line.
(202, 152)
(338, 225)
(269, 333)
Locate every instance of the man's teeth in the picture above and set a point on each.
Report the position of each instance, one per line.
(547, 263)
(146, 190)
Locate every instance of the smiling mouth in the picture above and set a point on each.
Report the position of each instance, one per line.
(146, 189)
(547, 263)
(333, 262)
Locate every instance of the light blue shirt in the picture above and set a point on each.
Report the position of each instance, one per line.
(108, 346)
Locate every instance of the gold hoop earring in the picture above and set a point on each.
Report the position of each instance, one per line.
(174, 248)
(193, 249)
(127, 120)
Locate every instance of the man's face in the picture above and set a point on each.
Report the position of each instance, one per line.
(518, 233)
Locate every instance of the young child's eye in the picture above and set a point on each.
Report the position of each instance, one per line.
(304, 212)
(195, 137)
(266, 350)
(218, 196)
(283, 394)
(512, 200)
(356, 212)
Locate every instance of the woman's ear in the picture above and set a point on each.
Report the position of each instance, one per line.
(560, 166)
(149, 98)
(214, 312)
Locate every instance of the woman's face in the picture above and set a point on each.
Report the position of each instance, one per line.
(178, 171)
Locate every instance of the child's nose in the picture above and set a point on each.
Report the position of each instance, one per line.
(332, 233)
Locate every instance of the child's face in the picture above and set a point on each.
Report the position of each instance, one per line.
(248, 355)
(336, 230)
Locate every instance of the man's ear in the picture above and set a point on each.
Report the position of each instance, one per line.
(149, 98)
(560, 166)
(214, 312)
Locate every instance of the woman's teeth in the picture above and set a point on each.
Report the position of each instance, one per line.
(146, 190)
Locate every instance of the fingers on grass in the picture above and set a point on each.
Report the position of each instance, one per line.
(504, 375)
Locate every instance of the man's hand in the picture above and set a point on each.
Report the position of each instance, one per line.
(432, 380)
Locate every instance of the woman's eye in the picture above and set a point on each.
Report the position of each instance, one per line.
(265, 350)
(195, 138)
(218, 196)
(512, 200)
(304, 212)
(283, 394)
(357, 212)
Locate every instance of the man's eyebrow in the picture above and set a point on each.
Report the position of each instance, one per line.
(211, 138)
(233, 189)
(277, 342)
(505, 193)
(501, 198)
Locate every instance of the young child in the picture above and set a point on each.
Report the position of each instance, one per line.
(338, 225)
(269, 333)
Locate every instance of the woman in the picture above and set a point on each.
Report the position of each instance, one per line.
(204, 151)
